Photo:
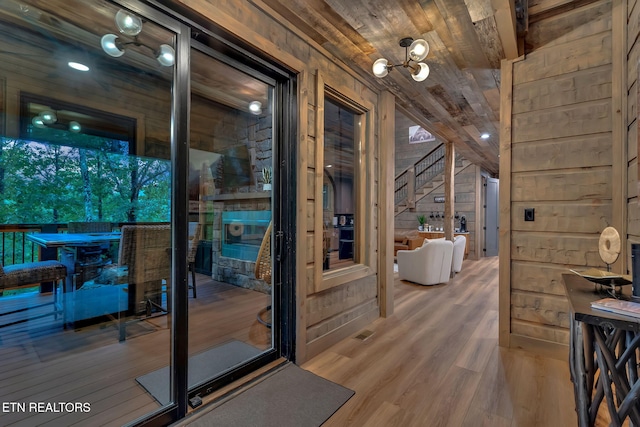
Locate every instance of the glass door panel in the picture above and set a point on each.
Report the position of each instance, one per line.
(230, 203)
(85, 215)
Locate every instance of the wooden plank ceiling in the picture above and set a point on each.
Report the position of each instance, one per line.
(460, 99)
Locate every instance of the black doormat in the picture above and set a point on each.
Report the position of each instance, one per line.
(291, 397)
(202, 366)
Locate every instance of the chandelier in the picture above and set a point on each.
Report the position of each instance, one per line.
(414, 52)
(131, 25)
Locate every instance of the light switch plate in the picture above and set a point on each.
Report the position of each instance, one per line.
(529, 214)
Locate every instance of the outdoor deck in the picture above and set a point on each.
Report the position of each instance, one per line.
(42, 362)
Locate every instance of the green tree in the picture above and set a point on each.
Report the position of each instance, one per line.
(46, 183)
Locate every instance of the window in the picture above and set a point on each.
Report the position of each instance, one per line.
(345, 190)
(340, 171)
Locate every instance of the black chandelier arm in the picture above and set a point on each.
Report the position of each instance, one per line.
(407, 64)
(121, 44)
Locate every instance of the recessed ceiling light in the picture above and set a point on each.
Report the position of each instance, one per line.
(485, 136)
(255, 107)
(78, 66)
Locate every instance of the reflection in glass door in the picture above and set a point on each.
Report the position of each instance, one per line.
(230, 214)
(86, 216)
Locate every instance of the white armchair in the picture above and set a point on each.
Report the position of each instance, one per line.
(429, 264)
(459, 244)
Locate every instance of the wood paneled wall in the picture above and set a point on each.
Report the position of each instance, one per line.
(633, 52)
(407, 154)
(325, 314)
(558, 146)
(146, 98)
(467, 199)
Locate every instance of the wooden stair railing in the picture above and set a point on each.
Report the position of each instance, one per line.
(418, 175)
(410, 184)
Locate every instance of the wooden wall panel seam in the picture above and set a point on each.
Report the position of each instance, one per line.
(619, 135)
(318, 175)
(563, 171)
(386, 203)
(301, 256)
(504, 270)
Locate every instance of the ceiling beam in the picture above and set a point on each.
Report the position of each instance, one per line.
(506, 22)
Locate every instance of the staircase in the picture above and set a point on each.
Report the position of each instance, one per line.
(422, 178)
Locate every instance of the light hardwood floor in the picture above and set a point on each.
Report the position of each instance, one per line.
(436, 362)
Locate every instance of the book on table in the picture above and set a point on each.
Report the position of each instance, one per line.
(618, 306)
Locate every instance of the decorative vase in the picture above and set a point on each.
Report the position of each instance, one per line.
(421, 228)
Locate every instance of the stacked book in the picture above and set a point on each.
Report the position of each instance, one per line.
(618, 306)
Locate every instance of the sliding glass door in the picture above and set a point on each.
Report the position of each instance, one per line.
(87, 217)
(231, 156)
(128, 258)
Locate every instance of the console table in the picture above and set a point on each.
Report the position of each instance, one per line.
(440, 234)
(603, 358)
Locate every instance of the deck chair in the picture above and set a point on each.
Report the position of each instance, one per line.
(263, 270)
(28, 274)
(145, 254)
(195, 233)
(144, 261)
(263, 262)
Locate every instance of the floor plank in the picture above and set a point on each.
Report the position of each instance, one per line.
(436, 362)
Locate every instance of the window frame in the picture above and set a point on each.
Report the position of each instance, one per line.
(365, 202)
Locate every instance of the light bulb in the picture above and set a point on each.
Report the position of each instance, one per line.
(48, 117)
(166, 55)
(128, 24)
(37, 122)
(255, 107)
(422, 73)
(74, 126)
(380, 68)
(110, 45)
(418, 50)
(485, 136)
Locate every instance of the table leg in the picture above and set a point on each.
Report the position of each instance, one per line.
(604, 375)
(578, 372)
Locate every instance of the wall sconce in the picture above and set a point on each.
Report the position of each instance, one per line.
(414, 52)
(131, 25)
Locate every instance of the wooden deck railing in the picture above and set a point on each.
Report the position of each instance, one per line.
(14, 246)
(16, 249)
